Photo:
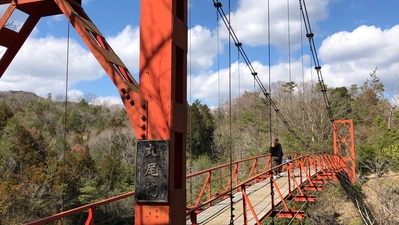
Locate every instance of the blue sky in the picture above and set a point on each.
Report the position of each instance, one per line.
(352, 38)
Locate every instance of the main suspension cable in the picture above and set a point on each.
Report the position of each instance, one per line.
(218, 5)
(310, 35)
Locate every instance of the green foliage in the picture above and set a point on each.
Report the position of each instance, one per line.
(203, 162)
(83, 104)
(89, 192)
(364, 158)
(374, 84)
(42, 173)
(356, 221)
(340, 102)
(199, 130)
(5, 114)
(22, 173)
(44, 166)
(290, 86)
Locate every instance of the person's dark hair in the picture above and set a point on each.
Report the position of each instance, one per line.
(274, 142)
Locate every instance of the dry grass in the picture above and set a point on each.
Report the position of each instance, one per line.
(374, 203)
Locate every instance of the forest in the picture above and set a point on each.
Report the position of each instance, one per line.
(56, 155)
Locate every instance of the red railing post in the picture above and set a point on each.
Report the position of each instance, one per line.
(289, 177)
(253, 168)
(244, 205)
(191, 191)
(210, 186)
(90, 217)
(236, 172)
(247, 202)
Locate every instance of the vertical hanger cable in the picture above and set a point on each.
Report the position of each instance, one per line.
(65, 118)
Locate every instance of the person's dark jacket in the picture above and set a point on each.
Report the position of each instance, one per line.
(276, 150)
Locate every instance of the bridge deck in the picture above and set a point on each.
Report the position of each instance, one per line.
(259, 195)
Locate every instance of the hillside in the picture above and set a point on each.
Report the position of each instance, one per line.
(54, 157)
(49, 164)
(374, 201)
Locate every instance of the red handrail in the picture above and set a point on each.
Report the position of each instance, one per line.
(315, 163)
(90, 207)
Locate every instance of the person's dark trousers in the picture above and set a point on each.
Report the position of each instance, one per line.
(276, 160)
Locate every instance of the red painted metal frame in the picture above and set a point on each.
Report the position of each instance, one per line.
(222, 190)
(89, 207)
(153, 106)
(163, 82)
(320, 165)
(344, 145)
(317, 164)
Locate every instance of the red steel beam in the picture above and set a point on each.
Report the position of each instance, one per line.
(344, 145)
(163, 82)
(80, 209)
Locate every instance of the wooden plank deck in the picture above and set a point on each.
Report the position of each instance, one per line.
(259, 195)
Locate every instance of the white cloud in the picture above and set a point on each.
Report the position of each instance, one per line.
(203, 49)
(349, 57)
(250, 21)
(40, 66)
(127, 46)
(209, 86)
(85, 2)
(107, 100)
(75, 95)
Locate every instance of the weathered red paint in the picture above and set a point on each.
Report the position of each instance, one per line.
(163, 82)
(344, 145)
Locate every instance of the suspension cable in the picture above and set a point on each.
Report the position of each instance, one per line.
(289, 48)
(232, 35)
(302, 61)
(65, 118)
(219, 100)
(190, 151)
(230, 132)
(310, 35)
(239, 84)
(239, 96)
(269, 70)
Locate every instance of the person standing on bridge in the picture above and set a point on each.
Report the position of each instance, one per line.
(276, 151)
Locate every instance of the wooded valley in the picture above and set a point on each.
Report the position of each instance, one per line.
(56, 156)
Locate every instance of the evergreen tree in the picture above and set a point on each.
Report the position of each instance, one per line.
(200, 129)
(5, 114)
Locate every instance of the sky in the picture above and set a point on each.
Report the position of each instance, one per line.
(352, 38)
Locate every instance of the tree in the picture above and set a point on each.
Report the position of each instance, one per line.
(200, 129)
(340, 103)
(5, 114)
(22, 169)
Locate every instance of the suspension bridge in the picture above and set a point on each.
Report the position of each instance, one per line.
(242, 192)
(256, 194)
